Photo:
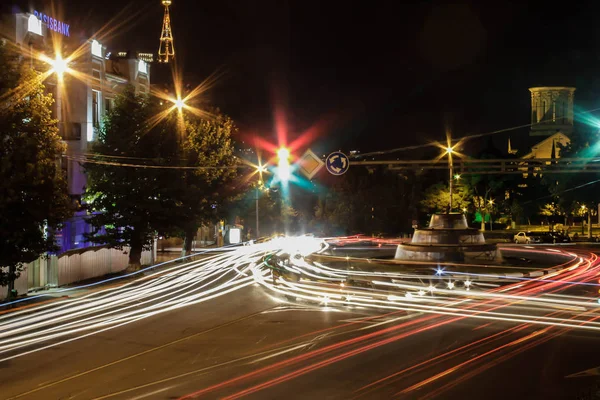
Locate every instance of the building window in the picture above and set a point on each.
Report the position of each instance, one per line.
(95, 108)
(64, 167)
(108, 103)
(70, 130)
(544, 117)
(96, 48)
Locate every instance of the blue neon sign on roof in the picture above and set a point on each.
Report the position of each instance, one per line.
(53, 24)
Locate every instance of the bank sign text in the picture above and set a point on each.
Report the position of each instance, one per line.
(53, 24)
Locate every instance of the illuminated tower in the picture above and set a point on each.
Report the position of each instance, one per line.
(551, 110)
(166, 51)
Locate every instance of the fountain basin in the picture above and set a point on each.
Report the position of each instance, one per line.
(448, 238)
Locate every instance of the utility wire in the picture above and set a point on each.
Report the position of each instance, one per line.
(564, 191)
(99, 155)
(118, 164)
(462, 139)
(91, 158)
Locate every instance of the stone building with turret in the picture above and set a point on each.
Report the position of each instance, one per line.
(552, 121)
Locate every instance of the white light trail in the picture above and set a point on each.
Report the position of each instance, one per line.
(44, 326)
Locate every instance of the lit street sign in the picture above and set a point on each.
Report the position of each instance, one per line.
(310, 164)
(337, 163)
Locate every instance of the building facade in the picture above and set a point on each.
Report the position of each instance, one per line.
(551, 119)
(551, 110)
(552, 122)
(83, 93)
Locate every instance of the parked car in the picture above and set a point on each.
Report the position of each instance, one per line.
(560, 238)
(528, 237)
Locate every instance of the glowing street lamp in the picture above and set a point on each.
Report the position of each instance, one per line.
(179, 103)
(59, 65)
(261, 169)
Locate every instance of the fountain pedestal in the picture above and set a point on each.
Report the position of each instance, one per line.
(448, 238)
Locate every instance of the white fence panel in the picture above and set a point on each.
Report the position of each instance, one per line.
(95, 263)
(74, 267)
(20, 284)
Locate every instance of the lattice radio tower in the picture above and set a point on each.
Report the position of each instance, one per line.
(166, 50)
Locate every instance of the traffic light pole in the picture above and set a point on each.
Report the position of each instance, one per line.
(257, 231)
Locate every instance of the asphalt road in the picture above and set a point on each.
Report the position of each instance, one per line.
(254, 343)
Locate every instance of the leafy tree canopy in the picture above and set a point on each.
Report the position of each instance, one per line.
(34, 197)
(130, 204)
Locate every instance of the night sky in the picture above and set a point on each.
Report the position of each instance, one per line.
(374, 75)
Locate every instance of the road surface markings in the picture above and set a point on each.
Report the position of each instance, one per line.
(183, 375)
(69, 378)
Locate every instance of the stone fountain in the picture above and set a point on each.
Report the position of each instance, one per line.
(448, 238)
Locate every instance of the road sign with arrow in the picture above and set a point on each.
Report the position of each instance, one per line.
(337, 163)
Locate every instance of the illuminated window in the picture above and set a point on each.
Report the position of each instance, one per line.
(95, 108)
(108, 105)
(96, 48)
(142, 67)
(34, 25)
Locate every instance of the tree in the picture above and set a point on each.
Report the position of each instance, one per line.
(129, 204)
(552, 209)
(367, 200)
(34, 199)
(204, 192)
(489, 190)
(437, 197)
(575, 192)
(268, 209)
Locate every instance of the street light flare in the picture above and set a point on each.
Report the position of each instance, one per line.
(261, 169)
(59, 65)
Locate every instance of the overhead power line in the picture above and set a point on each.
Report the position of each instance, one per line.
(457, 140)
(145, 166)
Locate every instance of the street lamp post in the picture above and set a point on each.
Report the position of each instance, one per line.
(260, 169)
(283, 166)
(449, 151)
(491, 201)
(257, 231)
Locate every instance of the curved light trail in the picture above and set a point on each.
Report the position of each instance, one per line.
(284, 267)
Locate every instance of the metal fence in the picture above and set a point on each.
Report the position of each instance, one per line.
(74, 266)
